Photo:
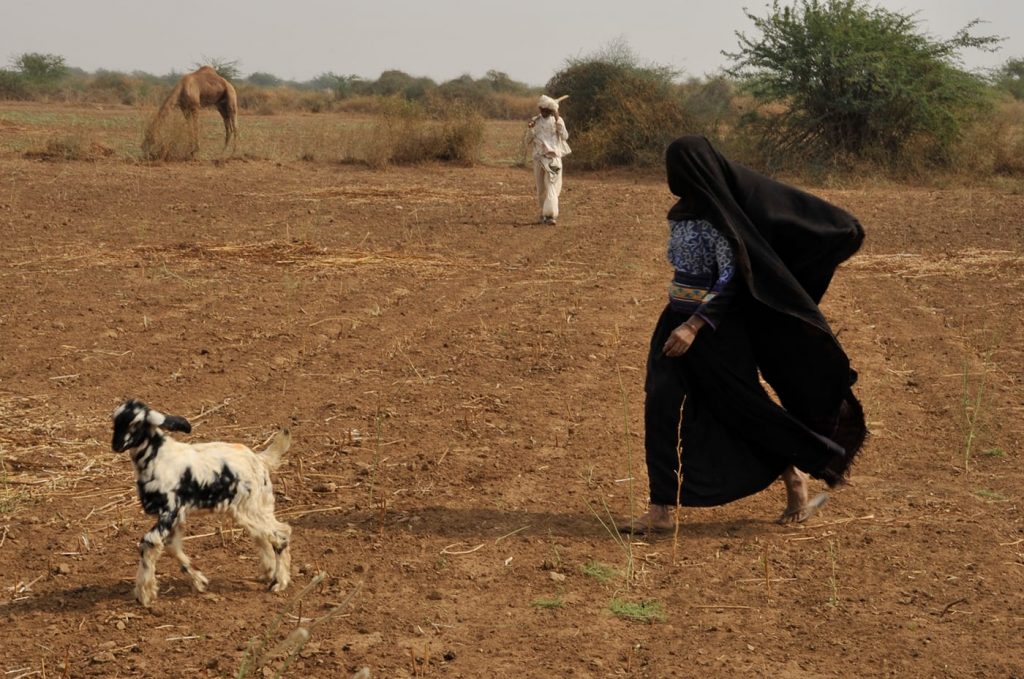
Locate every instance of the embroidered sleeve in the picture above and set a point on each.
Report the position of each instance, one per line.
(724, 289)
(725, 261)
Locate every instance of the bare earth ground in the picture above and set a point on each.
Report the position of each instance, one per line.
(465, 392)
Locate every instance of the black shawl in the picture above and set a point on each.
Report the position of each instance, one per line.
(788, 244)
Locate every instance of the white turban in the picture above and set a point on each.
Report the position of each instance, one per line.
(547, 102)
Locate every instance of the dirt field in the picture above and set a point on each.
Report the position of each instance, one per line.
(465, 393)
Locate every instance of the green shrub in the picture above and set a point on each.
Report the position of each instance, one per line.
(13, 86)
(856, 80)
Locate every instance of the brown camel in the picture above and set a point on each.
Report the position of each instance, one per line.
(201, 89)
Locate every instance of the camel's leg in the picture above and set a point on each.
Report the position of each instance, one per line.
(227, 129)
(230, 128)
(193, 126)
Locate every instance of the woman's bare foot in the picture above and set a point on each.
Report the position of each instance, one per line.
(657, 519)
(798, 509)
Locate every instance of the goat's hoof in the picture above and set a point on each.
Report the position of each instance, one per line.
(278, 585)
(200, 582)
(144, 597)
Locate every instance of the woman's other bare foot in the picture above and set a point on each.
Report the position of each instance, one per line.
(657, 519)
(798, 508)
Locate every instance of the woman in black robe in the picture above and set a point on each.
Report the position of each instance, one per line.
(719, 333)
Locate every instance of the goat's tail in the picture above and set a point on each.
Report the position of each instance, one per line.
(274, 453)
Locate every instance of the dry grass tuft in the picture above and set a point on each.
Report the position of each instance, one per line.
(404, 134)
(167, 140)
(68, 147)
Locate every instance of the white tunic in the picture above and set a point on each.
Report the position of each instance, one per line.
(549, 137)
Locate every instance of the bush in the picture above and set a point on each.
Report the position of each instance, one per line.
(638, 121)
(392, 83)
(995, 145)
(256, 100)
(13, 86)
(619, 112)
(709, 104)
(856, 81)
(403, 133)
(110, 86)
(74, 146)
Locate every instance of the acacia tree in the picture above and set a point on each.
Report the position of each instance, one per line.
(856, 79)
(226, 68)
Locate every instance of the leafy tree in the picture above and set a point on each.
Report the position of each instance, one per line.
(342, 85)
(264, 80)
(857, 79)
(499, 81)
(41, 69)
(1010, 77)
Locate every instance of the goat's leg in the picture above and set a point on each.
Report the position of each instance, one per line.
(150, 548)
(268, 561)
(199, 581)
(282, 548)
(261, 534)
(272, 538)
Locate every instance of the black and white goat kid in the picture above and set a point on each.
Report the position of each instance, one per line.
(174, 478)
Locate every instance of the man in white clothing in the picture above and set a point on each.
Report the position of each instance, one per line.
(547, 135)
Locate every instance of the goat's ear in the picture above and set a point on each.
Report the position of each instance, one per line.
(155, 418)
(175, 423)
(168, 422)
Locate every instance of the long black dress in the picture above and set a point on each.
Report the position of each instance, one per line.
(735, 439)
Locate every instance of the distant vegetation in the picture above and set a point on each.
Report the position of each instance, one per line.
(46, 77)
(816, 85)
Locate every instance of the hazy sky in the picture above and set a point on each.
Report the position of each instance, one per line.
(442, 39)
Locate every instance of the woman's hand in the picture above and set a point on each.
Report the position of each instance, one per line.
(682, 337)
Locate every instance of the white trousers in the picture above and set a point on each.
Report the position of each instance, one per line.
(549, 186)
